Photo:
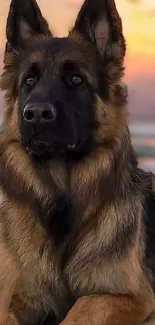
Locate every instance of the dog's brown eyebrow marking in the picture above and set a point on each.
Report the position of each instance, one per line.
(36, 57)
(31, 68)
(81, 67)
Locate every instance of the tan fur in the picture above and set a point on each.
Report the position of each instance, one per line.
(99, 310)
(8, 278)
(150, 320)
(123, 276)
(99, 265)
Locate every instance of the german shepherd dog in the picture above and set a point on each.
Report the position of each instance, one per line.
(76, 213)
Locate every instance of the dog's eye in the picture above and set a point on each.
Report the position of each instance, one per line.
(30, 81)
(76, 79)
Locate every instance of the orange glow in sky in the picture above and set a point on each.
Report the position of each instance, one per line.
(138, 22)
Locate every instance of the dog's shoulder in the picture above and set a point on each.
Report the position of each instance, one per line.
(149, 223)
(149, 200)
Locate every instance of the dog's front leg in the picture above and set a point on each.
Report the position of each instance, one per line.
(107, 310)
(8, 280)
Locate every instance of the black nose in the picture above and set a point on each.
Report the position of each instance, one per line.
(39, 113)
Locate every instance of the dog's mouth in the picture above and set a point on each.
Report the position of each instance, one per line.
(72, 147)
(41, 147)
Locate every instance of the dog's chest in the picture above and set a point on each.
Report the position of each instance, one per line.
(46, 286)
(48, 291)
(42, 286)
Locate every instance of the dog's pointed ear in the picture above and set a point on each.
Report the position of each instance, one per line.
(24, 22)
(99, 22)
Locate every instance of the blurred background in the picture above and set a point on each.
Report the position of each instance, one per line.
(138, 20)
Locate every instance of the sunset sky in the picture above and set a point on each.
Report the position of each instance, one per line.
(139, 27)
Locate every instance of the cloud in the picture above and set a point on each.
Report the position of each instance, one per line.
(141, 96)
(134, 1)
(138, 19)
(151, 13)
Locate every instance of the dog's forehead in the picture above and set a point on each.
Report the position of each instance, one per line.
(59, 50)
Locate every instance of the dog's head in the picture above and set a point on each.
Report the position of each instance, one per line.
(64, 95)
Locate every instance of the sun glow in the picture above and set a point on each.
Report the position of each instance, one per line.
(138, 18)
